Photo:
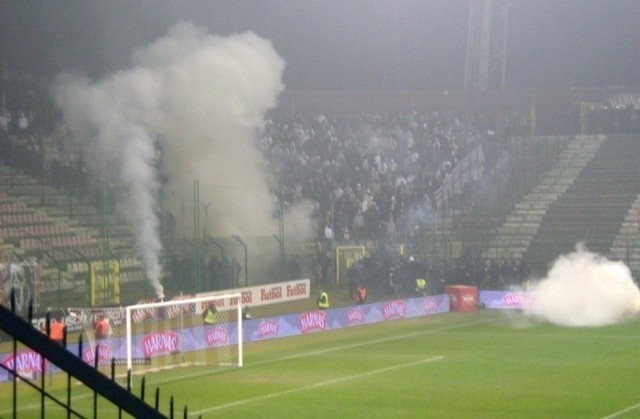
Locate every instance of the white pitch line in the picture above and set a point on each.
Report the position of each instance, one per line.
(371, 342)
(306, 354)
(325, 351)
(622, 412)
(316, 385)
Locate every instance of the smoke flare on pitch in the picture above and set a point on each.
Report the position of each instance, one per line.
(200, 99)
(585, 289)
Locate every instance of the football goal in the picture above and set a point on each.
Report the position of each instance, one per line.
(201, 331)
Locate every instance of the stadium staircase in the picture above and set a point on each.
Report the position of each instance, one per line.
(514, 167)
(514, 236)
(626, 245)
(590, 209)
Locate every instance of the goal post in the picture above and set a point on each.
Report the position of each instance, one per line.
(167, 334)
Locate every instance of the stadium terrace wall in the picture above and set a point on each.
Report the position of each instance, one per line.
(552, 106)
(353, 101)
(336, 101)
(28, 362)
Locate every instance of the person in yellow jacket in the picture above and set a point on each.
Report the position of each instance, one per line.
(421, 287)
(323, 300)
(210, 314)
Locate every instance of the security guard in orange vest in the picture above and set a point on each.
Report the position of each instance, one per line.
(57, 331)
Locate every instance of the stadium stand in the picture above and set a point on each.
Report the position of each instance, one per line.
(376, 178)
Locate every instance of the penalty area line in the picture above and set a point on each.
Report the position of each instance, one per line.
(316, 385)
(622, 412)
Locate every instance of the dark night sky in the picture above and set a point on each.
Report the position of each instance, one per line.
(339, 44)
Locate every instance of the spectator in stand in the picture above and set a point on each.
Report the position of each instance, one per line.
(328, 236)
(358, 226)
(364, 170)
(23, 122)
(371, 176)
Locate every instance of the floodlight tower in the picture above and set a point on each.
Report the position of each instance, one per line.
(486, 45)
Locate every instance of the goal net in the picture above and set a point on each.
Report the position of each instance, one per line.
(152, 336)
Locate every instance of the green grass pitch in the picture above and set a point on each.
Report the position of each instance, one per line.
(486, 364)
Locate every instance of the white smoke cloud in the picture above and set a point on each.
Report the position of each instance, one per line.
(585, 289)
(203, 97)
(214, 97)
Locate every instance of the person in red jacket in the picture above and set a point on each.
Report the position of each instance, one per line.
(101, 328)
(361, 294)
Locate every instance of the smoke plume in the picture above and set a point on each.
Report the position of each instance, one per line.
(199, 98)
(585, 289)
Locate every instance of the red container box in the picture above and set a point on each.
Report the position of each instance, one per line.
(462, 297)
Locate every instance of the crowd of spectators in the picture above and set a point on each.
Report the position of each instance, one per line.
(372, 176)
(369, 175)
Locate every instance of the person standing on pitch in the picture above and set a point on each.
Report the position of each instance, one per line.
(421, 287)
(245, 313)
(57, 331)
(323, 300)
(361, 294)
(210, 314)
(101, 328)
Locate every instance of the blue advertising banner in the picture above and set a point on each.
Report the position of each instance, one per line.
(28, 362)
(517, 300)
